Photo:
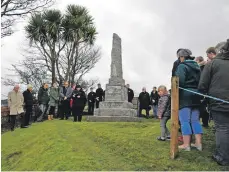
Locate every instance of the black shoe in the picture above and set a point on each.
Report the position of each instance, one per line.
(168, 138)
(219, 160)
(223, 163)
(160, 139)
(12, 129)
(24, 127)
(61, 118)
(66, 118)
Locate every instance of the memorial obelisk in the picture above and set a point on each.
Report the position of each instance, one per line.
(116, 106)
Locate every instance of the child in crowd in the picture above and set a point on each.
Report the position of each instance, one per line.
(164, 112)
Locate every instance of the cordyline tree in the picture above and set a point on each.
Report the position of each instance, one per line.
(12, 10)
(63, 36)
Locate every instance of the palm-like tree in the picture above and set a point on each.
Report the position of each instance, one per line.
(49, 29)
(44, 30)
(78, 28)
(79, 25)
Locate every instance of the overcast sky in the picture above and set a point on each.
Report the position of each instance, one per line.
(151, 32)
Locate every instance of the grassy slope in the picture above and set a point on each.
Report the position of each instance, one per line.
(64, 145)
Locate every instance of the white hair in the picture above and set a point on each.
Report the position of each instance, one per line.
(29, 86)
(16, 85)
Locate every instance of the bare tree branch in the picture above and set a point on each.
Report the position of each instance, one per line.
(12, 10)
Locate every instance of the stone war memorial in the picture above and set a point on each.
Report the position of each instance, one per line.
(116, 106)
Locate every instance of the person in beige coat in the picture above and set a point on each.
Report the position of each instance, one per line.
(15, 103)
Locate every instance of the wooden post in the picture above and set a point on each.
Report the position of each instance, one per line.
(174, 117)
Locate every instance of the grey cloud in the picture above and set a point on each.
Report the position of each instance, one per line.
(151, 32)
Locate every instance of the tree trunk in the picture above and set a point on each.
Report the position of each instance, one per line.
(70, 60)
(74, 61)
(53, 72)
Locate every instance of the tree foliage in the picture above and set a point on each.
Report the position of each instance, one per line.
(58, 35)
(61, 47)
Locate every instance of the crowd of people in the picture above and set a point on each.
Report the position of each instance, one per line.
(195, 76)
(60, 102)
(203, 93)
(210, 79)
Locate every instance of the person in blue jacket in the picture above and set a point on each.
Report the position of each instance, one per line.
(189, 72)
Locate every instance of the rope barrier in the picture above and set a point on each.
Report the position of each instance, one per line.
(207, 96)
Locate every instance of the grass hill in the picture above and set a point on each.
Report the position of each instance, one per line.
(64, 145)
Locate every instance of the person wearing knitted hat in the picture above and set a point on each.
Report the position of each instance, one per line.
(188, 72)
(79, 102)
(213, 82)
(175, 65)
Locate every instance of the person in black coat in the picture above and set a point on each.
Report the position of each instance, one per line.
(91, 102)
(79, 102)
(154, 97)
(203, 108)
(130, 93)
(144, 100)
(65, 93)
(104, 95)
(214, 82)
(28, 100)
(99, 95)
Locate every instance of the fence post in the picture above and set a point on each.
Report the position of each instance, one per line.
(174, 117)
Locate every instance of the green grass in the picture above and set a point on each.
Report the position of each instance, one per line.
(64, 145)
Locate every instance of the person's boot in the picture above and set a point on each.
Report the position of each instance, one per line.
(74, 119)
(49, 117)
(217, 158)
